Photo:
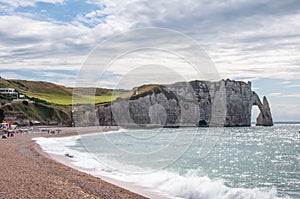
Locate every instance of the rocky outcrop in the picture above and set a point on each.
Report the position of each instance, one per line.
(197, 103)
(265, 117)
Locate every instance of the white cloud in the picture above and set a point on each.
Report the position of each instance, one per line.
(54, 74)
(23, 3)
(293, 86)
(294, 95)
(268, 50)
(28, 43)
(257, 39)
(10, 75)
(281, 95)
(245, 39)
(274, 94)
(286, 82)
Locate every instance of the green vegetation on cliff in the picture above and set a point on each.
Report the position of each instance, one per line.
(57, 94)
(52, 102)
(23, 112)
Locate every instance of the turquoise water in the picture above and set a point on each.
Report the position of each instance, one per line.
(252, 162)
(256, 157)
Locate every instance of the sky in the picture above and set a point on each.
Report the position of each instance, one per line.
(249, 40)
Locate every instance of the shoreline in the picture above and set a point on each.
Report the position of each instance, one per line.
(137, 189)
(69, 131)
(29, 172)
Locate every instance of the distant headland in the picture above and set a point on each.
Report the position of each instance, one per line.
(193, 104)
(43, 103)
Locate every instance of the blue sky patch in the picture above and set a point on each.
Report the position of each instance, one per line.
(65, 12)
(40, 75)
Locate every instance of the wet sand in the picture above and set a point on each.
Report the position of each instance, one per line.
(27, 172)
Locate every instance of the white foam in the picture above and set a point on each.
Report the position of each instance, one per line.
(191, 185)
(56, 146)
(120, 130)
(201, 187)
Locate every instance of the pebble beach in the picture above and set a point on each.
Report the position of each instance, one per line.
(28, 172)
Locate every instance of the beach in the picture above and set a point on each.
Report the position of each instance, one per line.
(28, 172)
(243, 156)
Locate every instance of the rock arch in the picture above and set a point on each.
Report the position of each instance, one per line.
(264, 118)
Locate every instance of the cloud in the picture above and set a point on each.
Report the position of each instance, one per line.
(293, 86)
(245, 39)
(238, 35)
(281, 95)
(294, 95)
(24, 3)
(286, 82)
(55, 74)
(35, 44)
(279, 112)
(27, 42)
(10, 75)
(274, 94)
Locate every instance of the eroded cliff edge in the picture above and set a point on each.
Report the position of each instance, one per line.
(197, 103)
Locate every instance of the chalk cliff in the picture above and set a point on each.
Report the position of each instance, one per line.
(196, 103)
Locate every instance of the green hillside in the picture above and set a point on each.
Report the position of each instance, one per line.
(57, 94)
(52, 104)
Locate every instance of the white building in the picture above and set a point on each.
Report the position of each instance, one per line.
(8, 91)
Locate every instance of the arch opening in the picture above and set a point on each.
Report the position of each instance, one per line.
(254, 114)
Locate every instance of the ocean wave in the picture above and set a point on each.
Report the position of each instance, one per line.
(191, 185)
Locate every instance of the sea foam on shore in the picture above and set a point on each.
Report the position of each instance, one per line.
(191, 184)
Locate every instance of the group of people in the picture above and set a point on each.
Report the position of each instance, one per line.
(51, 131)
(11, 132)
(7, 134)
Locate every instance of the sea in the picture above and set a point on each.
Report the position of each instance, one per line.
(195, 163)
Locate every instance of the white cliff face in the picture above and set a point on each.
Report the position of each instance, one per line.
(197, 103)
(239, 103)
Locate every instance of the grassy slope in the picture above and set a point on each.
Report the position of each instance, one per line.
(57, 94)
(53, 110)
(42, 90)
